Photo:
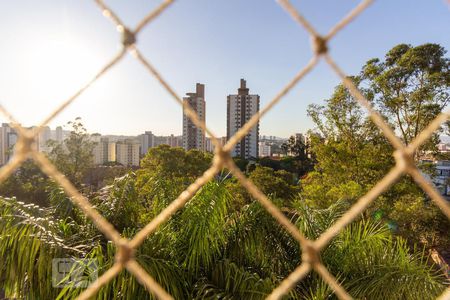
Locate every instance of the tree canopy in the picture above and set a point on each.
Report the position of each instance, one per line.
(74, 156)
(409, 88)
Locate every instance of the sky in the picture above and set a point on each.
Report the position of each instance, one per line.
(49, 49)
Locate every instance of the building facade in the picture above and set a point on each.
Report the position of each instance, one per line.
(209, 147)
(240, 108)
(147, 141)
(173, 141)
(127, 153)
(104, 150)
(8, 139)
(59, 135)
(265, 149)
(43, 138)
(193, 137)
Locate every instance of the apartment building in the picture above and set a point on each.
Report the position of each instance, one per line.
(265, 149)
(8, 138)
(240, 108)
(43, 138)
(104, 150)
(127, 152)
(59, 134)
(173, 141)
(193, 137)
(147, 141)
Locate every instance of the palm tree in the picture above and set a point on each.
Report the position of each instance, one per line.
(210, 249)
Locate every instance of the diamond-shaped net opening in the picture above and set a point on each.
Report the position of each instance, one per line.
(25, 149)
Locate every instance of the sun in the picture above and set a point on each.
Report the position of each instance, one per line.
(55, 67)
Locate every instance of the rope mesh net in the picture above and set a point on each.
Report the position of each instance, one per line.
(26, 149)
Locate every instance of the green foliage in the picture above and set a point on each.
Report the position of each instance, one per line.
(258, 242)
(208, 251)
(120, 204)
(213, 247)
(29, 239)
(290, 164)
(28, 184)
(201, 227)
(166, 172)
(171, 162)
(410, 87)
(125, 285)
(74, 156)
(428, 226)
(352, 156)
(377, 266)
(368, 260)
(277, 184)
(229, 281)
(241, 163)
(100, 176)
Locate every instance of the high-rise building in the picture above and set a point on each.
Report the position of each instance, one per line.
(43, 138)
(240, 108)
(59, 134)
(8, 138)
(147, 140)
(173, 141)
(127, 152)
(209, 146)
(265, 149)
(193, 137)
(104, 150)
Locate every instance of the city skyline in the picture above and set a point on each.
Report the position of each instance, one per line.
(56, 47)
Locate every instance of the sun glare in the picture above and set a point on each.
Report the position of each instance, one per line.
(57, 67)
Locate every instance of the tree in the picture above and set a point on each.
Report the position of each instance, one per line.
(74, 156)
(171, 162)
(277, 184)
(119, 203)
(299, 149)
(410, 87)
(28, 184)
(351, 153)
(296, 147)
(98, 177)
(207, 251)
(167, 171)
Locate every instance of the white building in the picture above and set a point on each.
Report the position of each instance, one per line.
(265, 149)
(59, 135)
(147, 141)
(43, 138)
(209, 145)
(104, 150)
(193, 137)
(127, 152)
(8, 138)
(173, 141)
(240, 108)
